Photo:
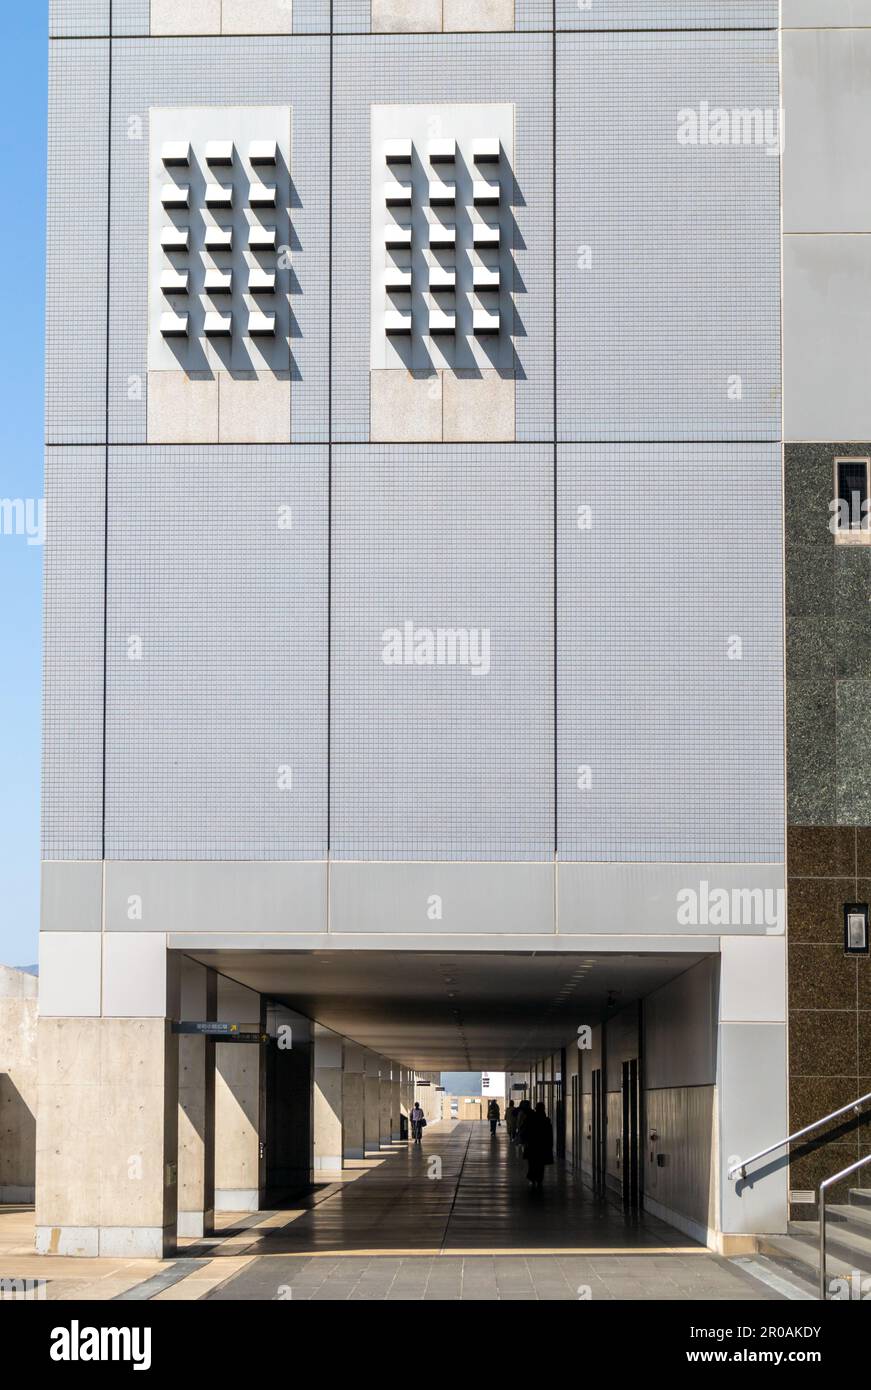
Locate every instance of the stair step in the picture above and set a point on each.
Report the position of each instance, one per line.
(844, 1243)
(856, 1218)
(801, 1258)
(860, 1196)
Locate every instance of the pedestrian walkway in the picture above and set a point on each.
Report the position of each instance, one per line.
(455, 1219)
(452, 1219)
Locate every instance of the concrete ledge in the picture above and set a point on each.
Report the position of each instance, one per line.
(478, 16)
(196, 1223)
(81, 1241)
(89, 1242)
(137, 1242)
(327, 1163)
(12, 1196)
(245, 1199)
(406, 16)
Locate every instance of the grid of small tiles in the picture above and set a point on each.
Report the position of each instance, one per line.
(232, 72)
(533, 14)
(131, 18)
(78, 19)
(669, 640)
(439, 760)
(668, 253)
(666, 14)
(72, 716)
(76, 238)
(216, 740)
(491, 68)
(443, 277)
(690, 746)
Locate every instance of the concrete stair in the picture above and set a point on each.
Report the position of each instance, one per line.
(848, 1244)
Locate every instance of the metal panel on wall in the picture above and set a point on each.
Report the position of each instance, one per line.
(666, 14)
(668, 224)
(442, 685)
(670, 653)
(217, 653)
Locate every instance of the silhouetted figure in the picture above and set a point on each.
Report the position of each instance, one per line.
(494, 1116)
(538, 1143)
(511, 1121)
(418, 1121)
(524, 1114)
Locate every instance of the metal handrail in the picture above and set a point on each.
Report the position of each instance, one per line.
(821, 1199)
(799, 1134)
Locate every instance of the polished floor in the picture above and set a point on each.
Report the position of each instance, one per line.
(456, 1220)
(453, 1220)
(462, 1191)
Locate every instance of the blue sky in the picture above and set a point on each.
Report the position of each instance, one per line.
(23, 62)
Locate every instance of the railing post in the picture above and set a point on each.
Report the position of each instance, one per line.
(822, 1216)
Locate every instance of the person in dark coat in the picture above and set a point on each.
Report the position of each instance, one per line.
(524, 1113)
(511, 1120)
(493, 1115)
(539, 1145)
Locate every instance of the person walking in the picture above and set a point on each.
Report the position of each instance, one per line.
(494, 1116)
(418, 1122)
(524, 1112)
(539, 1145)
(511, 1121)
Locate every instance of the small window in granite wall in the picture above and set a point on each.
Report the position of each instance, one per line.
(850, 508)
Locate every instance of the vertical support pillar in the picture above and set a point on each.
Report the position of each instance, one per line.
(386, 1123)
(196, 1104)
(107, 1114)
(752, 1085)
(395, 1103)
(353, 1104)
(373, 1102)
(328, 1107)
(237, 1103)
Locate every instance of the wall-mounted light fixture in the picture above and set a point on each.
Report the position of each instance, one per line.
(856, 929)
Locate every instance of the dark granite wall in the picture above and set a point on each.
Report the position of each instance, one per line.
(828, 717)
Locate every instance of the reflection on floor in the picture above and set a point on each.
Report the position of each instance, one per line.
(455, 1219)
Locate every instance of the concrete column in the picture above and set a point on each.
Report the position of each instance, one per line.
(196, 1104)
(237, 1103)
(107, 1114)
(395, 1103)
(372, 1103)
(329, 1140)
(406, 1098)
(752, 1087)
(386, 1103)
(353, 1104)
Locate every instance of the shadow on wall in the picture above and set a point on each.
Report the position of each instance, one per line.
(17, 1144)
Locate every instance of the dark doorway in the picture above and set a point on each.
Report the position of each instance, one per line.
(287, 1130)
(599, 1129)
(631, 1128)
